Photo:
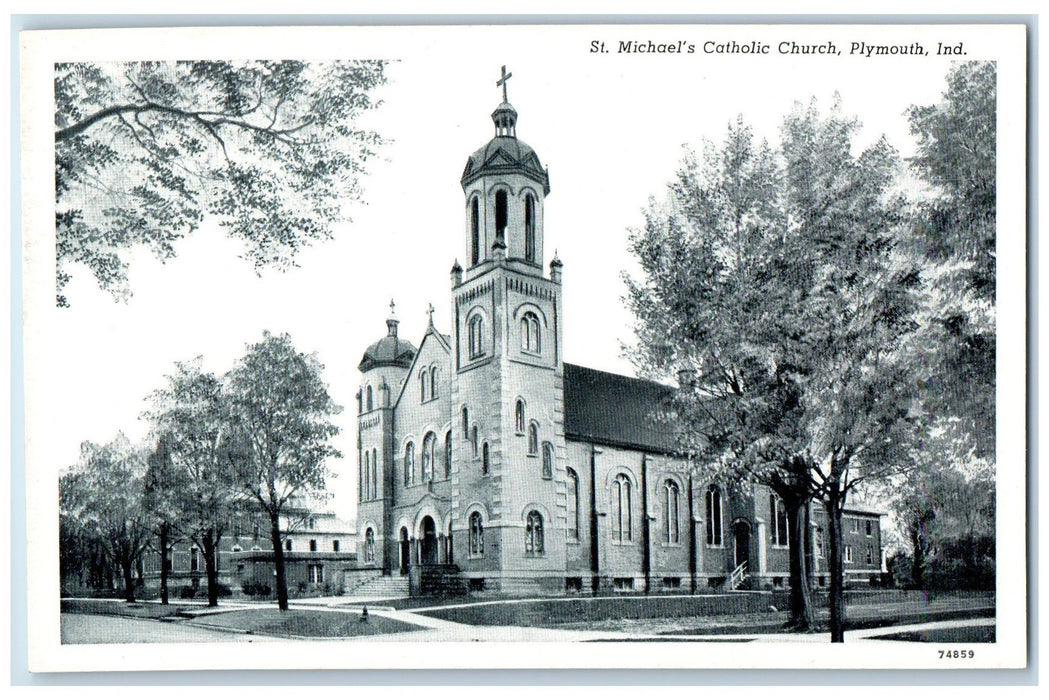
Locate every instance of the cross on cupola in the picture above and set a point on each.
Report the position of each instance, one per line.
(391, 320)
(502, 81)
(505, 116)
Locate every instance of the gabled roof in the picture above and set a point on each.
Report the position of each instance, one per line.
(443, 341)
(615, 410)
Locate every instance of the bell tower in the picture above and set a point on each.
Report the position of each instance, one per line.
(507, 380)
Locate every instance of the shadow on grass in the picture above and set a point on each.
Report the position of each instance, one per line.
(305, 623)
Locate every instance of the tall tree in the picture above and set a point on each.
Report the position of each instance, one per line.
(715, 307)
(145, 151)
(191, 419)
(955, 240)
(281, 414)
(856, 314)
(103, 493)
(159, 500)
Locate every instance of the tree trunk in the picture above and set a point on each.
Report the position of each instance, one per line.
(209, 545)
(278, 562)
(127, 563)
(163, 563)
(836, 595)
(801, 615)
(917, 556)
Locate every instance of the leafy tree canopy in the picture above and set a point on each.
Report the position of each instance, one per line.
(145, 151)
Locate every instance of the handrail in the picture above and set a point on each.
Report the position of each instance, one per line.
(739, 575)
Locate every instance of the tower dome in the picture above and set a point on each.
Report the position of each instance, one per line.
(388, 351)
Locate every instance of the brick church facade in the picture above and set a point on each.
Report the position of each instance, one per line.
(487, 458)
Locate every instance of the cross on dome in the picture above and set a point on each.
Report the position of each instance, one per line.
(502, 82)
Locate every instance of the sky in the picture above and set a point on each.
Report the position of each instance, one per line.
(609, 127)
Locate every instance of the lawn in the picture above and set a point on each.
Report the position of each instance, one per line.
(305, 623)
(948, 635)
(152, 611)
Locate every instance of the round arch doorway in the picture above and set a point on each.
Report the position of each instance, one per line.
(405, 550)
(428, 550)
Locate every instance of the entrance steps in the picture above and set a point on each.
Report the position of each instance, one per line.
(382, 587)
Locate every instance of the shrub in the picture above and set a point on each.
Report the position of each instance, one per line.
(187, 592)
(256, 589)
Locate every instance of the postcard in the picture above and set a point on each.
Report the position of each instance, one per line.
(309, 383)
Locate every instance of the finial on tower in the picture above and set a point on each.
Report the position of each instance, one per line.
(502, 82)
(391, 320)
(429, 312)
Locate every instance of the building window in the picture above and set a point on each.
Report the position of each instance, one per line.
(335, 545)
(870, 528)
(466, 424)
(548, 461)
(194, 559)
(670, 494)
(533, 438)
(714, 517)
(369, 398)
(485, 458)
(366, 476)
(433, 383)
(778, 521)
(819, 541)
(530, 228)
(530, 333)
(519, 417)
(621, 512)
(534, 533)
(409, 464)
(423, 384)
(375, 473)
(315, 572)
(473, 441)
(854, 525)
(572, 498)
(476, 535)
(369, 545)
(502, 214)
(313, 545)
(848, 554)
(475, 232)
(287, 545)
(448, 454)
(476, 336)
(429, 456)
(870, 555)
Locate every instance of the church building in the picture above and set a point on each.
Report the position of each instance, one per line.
(486, 462)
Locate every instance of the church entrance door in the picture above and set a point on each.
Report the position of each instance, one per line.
(405, 551)
(741, 535)
(429, 543)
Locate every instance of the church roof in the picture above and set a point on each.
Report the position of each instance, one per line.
(505, 154)
(615, 410)
(389, 351)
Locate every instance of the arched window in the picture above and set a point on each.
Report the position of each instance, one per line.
(715, 536)
(466, 424)
(476, 334)
(475, 232)
(530, 228)
(429, 456)
(423, 383)
(622, 530)
(548, 461)
(777, 521)
(534, 533)
(360, 402)
(476, 535)
(502, 213)
(409, 464)
(375, 472)
(533, 438)
(433, 383)
(670, 512)
(485, 458)
(519, 417)
(366, 476)
(530, 333)
(448, 454)
(369, 403)
(473, 440)
(572, 497)
(369, 545)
